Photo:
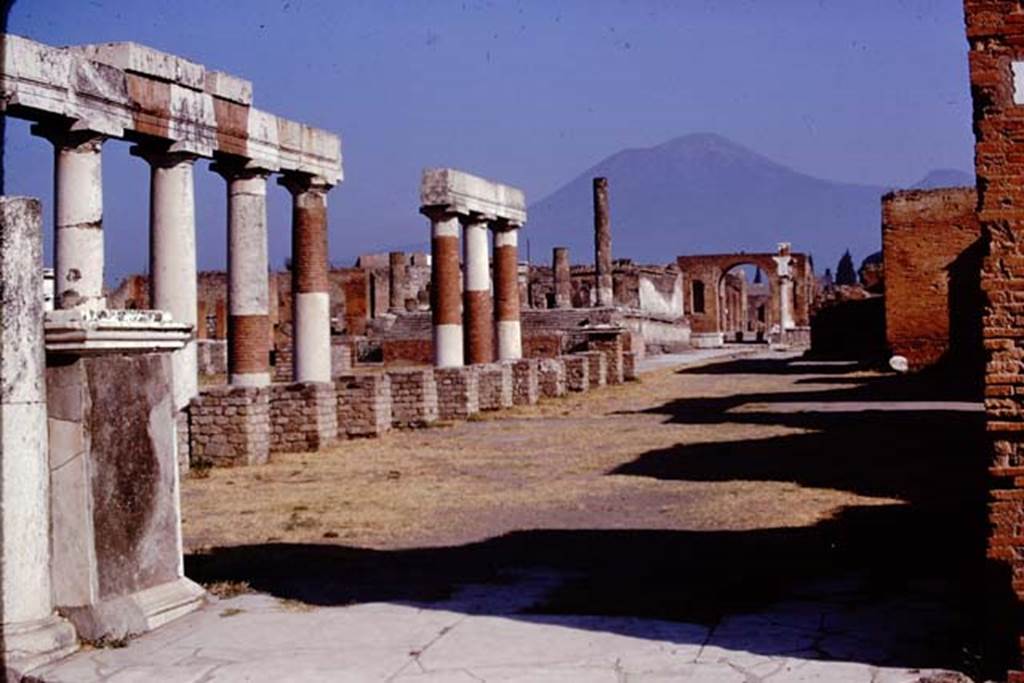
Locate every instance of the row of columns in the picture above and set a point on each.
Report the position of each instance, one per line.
(78, 253)
(467, 323)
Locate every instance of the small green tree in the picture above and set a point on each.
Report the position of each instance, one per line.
(845, 274)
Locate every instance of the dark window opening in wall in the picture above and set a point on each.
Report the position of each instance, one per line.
(760, 313)
(698, 296)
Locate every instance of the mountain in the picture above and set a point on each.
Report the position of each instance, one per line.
(945, 177)
(703, 193)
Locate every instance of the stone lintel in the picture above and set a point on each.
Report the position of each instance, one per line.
(134, 58)
(228, 87)
(447, 189)
(83, 332)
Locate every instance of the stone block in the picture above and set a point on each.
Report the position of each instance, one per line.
(230, 426)
(577, 372)
(495, 385)
(303, 417)
(598, 368)
(551, 377)
(629, 373)
(364, 404)
(525, 381)
(413, 397)
(458, 392)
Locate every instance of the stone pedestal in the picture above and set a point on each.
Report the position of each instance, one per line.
(577, 372)
(610, 343)
(551, 377)
(495, 386)
(364, 404)
(303, 417)
(598, 370)
(230, 426)
(413, 398)
(629, 359)
(31, 634)
(117, 553)
(525, 382)
(458, 392)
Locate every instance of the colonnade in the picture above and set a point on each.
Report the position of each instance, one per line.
(78, 252)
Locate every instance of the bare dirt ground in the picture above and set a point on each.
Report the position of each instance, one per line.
(690, 495)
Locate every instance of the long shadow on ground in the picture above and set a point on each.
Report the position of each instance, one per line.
(911, 573)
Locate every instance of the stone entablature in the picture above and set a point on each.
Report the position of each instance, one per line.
(83, 331)
(462, 193)
(119, 89)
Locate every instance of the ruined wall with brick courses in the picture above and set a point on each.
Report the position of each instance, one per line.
(995, 31)
(598, 370)
(577, 372)
(413, 397)
(230, 426)
(629, 366)
(303, 417)
(611, 347)
(364, 404)
(930, 242)
(458, 392)
(495, 385)
(551, 377)
(525, 382)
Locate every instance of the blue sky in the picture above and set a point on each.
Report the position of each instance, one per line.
(531, 93)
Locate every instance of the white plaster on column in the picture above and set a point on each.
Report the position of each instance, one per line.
(1018, 82)
(248, 292)
(448, 350)
(477, 257)
(30, 634)
(312, 337)
(78, 233)
(510, 339)
(506, 238)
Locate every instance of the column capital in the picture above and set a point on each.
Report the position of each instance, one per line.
(238, 168)
(299, 183)
(64, 135)
(504, 225)
(439, 212)
(477, 218)
(162, 156)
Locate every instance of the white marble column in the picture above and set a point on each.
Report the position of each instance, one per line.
(311, 301)
(445, 293)
(172, 255)
(248, 287)
(77, 217)
(31, 634)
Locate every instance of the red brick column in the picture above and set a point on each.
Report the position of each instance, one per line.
(311, 313)
(506, 291)
(445, 293)
(562, 276)
(602, 244)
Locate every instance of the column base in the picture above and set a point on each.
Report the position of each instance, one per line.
(29, 645)
(137, 613)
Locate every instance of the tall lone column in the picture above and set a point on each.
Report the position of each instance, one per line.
(506, 291)
(602, 244)
(396, 281)
(248, 291)
(563, 277)
(310, 292)
(172, 255)
(77, 217)
(445, 295)
(31, 634)
(477, 305)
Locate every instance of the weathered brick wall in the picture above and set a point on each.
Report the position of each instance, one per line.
(419, 351)
(629, 366)
(364, 404)
(543, 344)
(551, 377)
(458, 392)
(525, 382)
(611, 346)
(598, 368)
(930, 242)
(413, 397)
(577, 372)
(995, 31)
(303, 417)
(230, 426)
(495, 385)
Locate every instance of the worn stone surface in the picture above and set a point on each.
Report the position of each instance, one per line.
(230, 426)
(629, 369)
(577, 372)
(496, 386)
(597, 371)
(364, 404)
(551, 377)
(526, 381)
(462, 193)
(413, 398)
(303, 416)
(458, 392)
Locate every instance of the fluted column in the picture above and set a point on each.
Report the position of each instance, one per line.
(78, 257)
(506, 291)
(602, 244)
(248, 292)
(445, 294)
(310, 292)
(172, 254)
(562, 275)
(478, 309)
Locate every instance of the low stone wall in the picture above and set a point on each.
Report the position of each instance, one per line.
(413, 397)
(598, 370)
(495, 385)
(364, 404)
(611, 347)
(458, 392)
(551, 377)
(525, 382)
(230, 426)
(212, 356)
(577, 372)
(303, 416)
(629, 366)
